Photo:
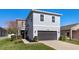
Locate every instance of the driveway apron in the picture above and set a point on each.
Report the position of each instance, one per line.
(60, 45)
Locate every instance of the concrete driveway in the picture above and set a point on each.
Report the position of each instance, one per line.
(59, 45)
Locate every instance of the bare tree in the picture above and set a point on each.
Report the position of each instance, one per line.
(11, 27)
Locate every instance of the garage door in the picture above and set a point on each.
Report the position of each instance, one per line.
(47, 35)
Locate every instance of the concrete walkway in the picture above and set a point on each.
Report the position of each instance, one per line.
(25, 41)
(59, 45)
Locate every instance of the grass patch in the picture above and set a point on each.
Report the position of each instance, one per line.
(67, 39)
(72, 41)
(11, 45)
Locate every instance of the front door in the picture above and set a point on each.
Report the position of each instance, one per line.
(22, 33)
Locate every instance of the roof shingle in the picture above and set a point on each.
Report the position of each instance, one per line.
(68, 27)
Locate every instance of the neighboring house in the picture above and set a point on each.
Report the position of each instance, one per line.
(45, 25)
(71, 31)
(20, 24)
(3, 32)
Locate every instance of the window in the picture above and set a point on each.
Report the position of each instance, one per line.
(53, 19)
(41, 17)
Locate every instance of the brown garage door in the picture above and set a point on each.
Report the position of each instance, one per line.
(47, 35)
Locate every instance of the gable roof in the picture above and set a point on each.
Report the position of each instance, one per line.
(68, 27)
(46, 12)
(2, 29)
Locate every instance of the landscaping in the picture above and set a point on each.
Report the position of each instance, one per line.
(65, 39)
(7, 44)
(72, 41)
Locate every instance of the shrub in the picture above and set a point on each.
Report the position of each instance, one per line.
(13, 37)
(60, 38)
(35, 39)
(18, 41)
(19, 37)
(63, 37)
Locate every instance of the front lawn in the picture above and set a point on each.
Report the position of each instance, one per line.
(72, 41)
(11, 45)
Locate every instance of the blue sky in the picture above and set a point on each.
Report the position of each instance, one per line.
(11, 15)
(69, 16)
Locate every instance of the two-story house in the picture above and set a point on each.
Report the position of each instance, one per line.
(45, 25)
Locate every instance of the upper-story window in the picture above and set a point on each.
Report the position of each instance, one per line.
(53, 18)
(41, 17)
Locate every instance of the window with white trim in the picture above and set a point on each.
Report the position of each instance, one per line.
(53, 18)
(41, 17)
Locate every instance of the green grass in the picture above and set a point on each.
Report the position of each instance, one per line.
(10, 45)
(72, 41)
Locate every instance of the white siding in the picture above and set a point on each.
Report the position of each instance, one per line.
(46, 25)
(47, 20)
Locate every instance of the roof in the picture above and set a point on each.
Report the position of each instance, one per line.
(2, 29)
(67, 27)
(45, 12)
(18, 19)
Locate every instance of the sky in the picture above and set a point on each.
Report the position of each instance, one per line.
(69, 16)
(7, 15)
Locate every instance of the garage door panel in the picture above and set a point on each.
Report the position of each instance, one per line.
(47, 35)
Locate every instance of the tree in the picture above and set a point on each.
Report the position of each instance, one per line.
(12, 27)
